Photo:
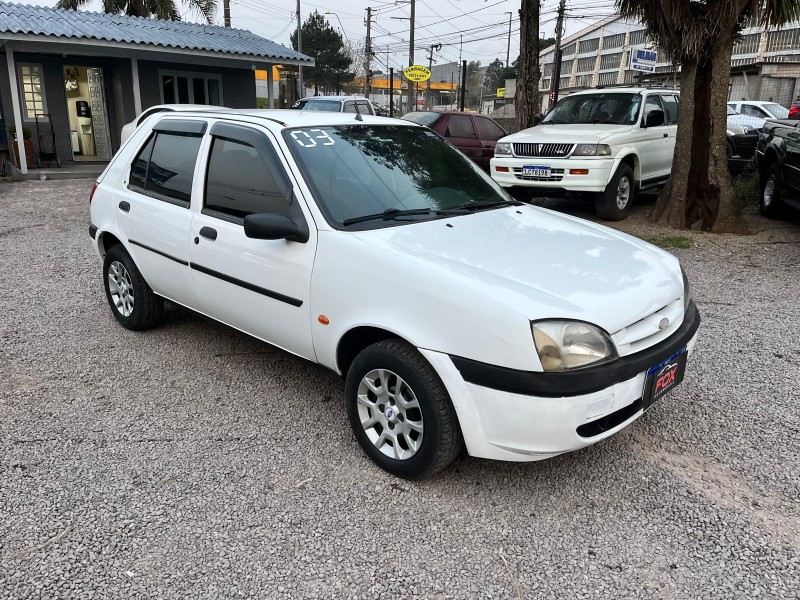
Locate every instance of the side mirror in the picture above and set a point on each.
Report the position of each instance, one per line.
(654, 118)
(537, 118)
(271, 226)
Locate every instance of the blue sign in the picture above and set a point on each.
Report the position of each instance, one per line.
(643, 60)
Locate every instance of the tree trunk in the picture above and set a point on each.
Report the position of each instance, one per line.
(526, 99)
(699, 193)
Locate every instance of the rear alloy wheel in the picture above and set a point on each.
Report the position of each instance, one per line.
(400, 411)
(132, 301)
(771, 192)
(615, 202)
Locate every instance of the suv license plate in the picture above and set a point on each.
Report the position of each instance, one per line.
(663, 377)
(536, 171)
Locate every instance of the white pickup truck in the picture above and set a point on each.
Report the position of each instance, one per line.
(609, 142)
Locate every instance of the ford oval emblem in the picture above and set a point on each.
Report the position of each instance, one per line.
(663, 323)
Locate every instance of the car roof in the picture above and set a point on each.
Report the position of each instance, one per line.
(335, 98)
(626, 90)
(290, 117)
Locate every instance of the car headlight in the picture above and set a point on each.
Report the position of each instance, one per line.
(592, 150)
(686, 293)
(566, 345)
(735, 130)
(503, 149)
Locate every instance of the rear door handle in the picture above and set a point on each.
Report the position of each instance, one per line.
(209, 233)
(125, 206)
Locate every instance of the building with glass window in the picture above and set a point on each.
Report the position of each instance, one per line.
(70, 80)
(765, 64)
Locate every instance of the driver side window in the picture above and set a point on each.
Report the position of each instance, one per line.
(240, 183)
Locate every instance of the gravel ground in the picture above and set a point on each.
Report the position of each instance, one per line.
(192, 461)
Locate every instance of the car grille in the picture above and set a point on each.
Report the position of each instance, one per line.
(543, 150)
(555, 175)
(645, 332)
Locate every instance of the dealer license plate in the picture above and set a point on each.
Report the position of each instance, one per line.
(663, 377)
(529, 171)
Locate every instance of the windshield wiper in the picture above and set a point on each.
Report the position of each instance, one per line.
(486, 204)
(388, 215)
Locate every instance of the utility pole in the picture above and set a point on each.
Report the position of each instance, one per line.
(299, 49)
(226, 12)
(508, 48)
(434, 47)
(368, 56)
(412, 100)
(391, 92)
(557, 57)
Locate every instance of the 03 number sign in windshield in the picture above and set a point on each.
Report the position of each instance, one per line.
(366, 176)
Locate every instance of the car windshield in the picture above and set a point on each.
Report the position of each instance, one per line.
(776, 109)
(606, 107)
(360, 170)
(327, 105)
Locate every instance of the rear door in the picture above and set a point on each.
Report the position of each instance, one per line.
(488, 132)
(460, 132)
(261, 287)
(655, 156)
(153, 206)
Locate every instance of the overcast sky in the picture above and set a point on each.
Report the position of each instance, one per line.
(482, 23)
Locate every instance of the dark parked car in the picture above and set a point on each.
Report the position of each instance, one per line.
(474, 135)
(778, 158)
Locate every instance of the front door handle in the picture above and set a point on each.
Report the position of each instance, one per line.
(209, 233)
(125, 206)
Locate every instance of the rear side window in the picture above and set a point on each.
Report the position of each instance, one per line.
(670, 109)
(364, 108)
(165, 166)
(489, 130)
(349, 107)
(460, 126)
(240, 183)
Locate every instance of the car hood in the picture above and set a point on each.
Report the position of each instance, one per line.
(752, 122)
(541, 263)
(566, 134)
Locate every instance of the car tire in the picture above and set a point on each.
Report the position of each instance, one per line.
(616, 201)
(132, 301)
(400, 411)
(769, 202)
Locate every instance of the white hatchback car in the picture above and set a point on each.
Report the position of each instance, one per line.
(374, 248)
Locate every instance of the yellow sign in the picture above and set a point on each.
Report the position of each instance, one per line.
(501, 92)
(417, 73)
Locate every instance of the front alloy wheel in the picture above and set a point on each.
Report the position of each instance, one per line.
(400, 411)
(390, 414)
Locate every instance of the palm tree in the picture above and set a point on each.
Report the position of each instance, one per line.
(699, 34)
(160, 9)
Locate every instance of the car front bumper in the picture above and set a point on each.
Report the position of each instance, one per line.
(513, 425)
(563, 173)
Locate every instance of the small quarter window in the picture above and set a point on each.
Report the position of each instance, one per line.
(240, 183)
(139, 166)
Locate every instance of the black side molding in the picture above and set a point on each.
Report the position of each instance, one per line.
(159, 252)
(580, 381)
(248, 286)
(92, 231)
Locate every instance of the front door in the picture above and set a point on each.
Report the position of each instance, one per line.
(261, 287)
(90, 136)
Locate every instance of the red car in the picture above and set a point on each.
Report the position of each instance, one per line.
(474, 135)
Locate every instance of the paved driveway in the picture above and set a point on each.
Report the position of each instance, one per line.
(194, 462)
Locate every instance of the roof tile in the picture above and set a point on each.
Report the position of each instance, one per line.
(38, 20)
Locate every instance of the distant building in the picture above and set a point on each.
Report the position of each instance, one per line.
(765, 64)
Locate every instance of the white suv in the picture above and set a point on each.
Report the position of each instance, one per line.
(610, 142)
(374, 248)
